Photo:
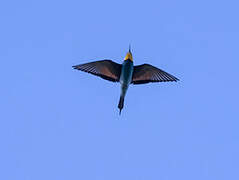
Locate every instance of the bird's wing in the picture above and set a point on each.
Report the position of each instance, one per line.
(146, 73)
(106, 69)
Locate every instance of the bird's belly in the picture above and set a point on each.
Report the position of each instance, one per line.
(126, 74)
(125, 80)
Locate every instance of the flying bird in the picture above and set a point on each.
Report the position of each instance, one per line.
(125, 73)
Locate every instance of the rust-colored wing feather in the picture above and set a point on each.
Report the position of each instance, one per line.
(146, 73)
(106, 69)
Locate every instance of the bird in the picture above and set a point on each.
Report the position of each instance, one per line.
(125, 73)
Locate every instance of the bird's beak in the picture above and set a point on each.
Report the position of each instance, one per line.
(129, 55)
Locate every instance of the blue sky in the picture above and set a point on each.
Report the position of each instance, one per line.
(59, 123)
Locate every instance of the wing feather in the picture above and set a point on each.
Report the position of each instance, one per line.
(105, 69)
(146, 73)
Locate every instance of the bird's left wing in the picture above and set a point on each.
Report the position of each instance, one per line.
(146, 73)
(106, 69)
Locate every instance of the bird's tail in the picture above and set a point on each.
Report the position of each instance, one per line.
(121, 103)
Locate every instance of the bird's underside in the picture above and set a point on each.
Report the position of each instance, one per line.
(111, 71)
(125, 73)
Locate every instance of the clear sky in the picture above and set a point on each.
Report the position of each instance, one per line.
(58, 123)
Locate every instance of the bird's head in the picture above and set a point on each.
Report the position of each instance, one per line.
(129, 55)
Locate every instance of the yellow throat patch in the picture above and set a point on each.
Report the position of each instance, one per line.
(129, 56)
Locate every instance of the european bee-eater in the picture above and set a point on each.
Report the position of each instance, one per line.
(125, 73)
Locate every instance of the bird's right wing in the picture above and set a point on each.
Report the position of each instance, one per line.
(146, 73)
(106, 69)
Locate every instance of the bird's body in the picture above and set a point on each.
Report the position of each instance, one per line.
(125, 73)
(125, 80)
